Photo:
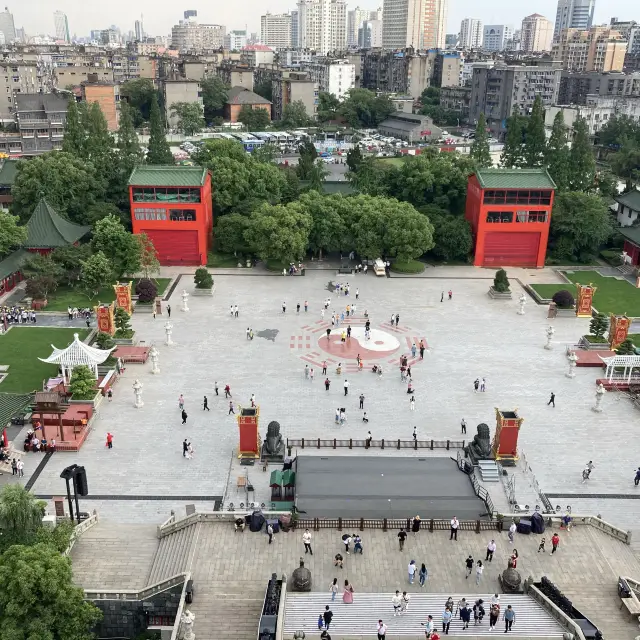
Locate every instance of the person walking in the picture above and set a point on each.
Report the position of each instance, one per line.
(555, 541)
(442, 297)
(298, 308)
(494, 615)
(235, 311)
(270, 532)
(465, 616)
(415, 435)
(110, 395)
(397, 319)
(478, 611)
(184, 417)
(636, 480)
(446, 620)
(421, 350)
(284, 307)
(14, 467)
(169, 310)
(450, 294)
(382, 630)
(346, 540)
(483, 385)
(306, 306)
(402, 536)
(454, 529)
(468, 563)
(552, 400)
(361, 400)
(412, 403)
(306, 371)
(306, 541)
(181, 402)
(396, 601)
(479, 570)
(215, 387)
(491, 547)
(346, 387)
(109, 440)
(463, 426)
(512, 531)
(185, 448)
(509, 618)
(324, 367)
(311, 374)
(541, 545)
(428, 626)
(231, 408)
(476, 384)
(413, 350)
(333, 589)
(327, 616)
(227, 391)
(404, 605)
(327, 383)
(20, 468)
(347, 593)
(411, 570)
(369, 438)
(415, 525)
(205, 404)
(423, 574)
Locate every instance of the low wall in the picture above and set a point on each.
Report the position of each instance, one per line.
(79, 529)
(554, 611)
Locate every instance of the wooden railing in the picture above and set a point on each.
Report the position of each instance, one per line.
(335, 443)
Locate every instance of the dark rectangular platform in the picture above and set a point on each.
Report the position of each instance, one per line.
(384, 487)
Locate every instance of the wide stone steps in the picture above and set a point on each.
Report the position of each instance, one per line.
(173, 555)
(488, 470)
(360, 618)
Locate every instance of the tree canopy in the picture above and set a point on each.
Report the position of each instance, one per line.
(535, 141)
(139, 94)
(254, 119)
(295, 116)
(120, 247)
(582, 162)
(557, 153)
(11, 235)
(479, 151)
(159, 152)
(513, 149)
(362, 108)
(214, 96)
(190, 117)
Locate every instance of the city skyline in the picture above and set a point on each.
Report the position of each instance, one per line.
(36, 16)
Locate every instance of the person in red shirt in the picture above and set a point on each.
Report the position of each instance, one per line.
(109, 440)
(227, 391)
(555, 541)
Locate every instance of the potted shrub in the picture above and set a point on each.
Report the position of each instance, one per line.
(501, 288)
(103, 340)
(124, 333)
(203, 282)
(83, 384)
(597, 328)
(564, 302)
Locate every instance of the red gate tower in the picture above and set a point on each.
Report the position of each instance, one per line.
(249, 446)
(505, 440)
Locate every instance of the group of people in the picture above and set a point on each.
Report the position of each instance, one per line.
(16, 315)
(74, 312)
(35, 444)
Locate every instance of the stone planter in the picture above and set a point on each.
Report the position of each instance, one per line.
(499, 295)
(585, 343)
(94, 402)
(566, 313)
(203, 292)
(128, 342)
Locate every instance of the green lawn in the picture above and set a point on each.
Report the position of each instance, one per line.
(612, 296)
(21, 347)
(635, 338)
(65, 296)
(412, 266)
(221, 260)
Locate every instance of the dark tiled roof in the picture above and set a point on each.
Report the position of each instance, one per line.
(8, 172)
(12, 404)
(167, 176)
(46, 229)
(631, 199)
(240, 95)
(12, 262)
(41, 102)
(631, 233)
(515, 179)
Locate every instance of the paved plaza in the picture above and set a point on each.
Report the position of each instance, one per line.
(468, 337)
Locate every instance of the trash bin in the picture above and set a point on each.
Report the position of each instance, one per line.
(188, 594)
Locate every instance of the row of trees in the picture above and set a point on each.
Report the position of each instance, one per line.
(373, 226)
(360, 108)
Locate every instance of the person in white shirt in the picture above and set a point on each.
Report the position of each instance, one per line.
(454, 529)
(512, 531)
(396, 600)
(382, 630)
(491, 547)
(405, 602)
(495, 600)
(428, 626)
(412, 571)
(306, 540)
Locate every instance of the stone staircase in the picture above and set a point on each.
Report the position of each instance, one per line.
(488, 470)
(360, 618)
(174, 554)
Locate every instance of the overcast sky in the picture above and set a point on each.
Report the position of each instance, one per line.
(36, 16)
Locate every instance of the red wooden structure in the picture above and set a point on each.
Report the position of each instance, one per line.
(505, 440)
(249, 445)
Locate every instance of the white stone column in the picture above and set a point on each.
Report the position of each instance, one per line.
(137, 390)
(153, 354)
(185, 297)
(600, 391)
(522, 301)
(573, 359)
(550, 332)
(168, 327)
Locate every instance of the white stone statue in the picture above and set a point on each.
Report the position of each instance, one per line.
(168, 327)
(137, 390)
(153, 354)
(573, 360)
(600, 391)
(185, 297)
(550, 332)
(522, 301)
(187, 621)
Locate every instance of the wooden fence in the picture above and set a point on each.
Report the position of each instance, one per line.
(335, 443)
(351, 524)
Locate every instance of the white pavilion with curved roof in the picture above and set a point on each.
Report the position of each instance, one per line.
(75, 354)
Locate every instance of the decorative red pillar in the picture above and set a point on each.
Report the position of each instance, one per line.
(505, 440)
(249, 437)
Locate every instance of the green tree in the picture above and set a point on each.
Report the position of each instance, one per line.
(83, 383)
(149, 263)
(38, 598)
(264, 89)
(222, 148)
(582, 162)
(616, 129)
(159, 152)
(70, 185)
(626, 348)
(203, 279)
(307, 160)
(452, 239)
(11, 235)
(254, 119)
(95, 274)
(431, 95)
(37, 265)
(99, 142)
(295, 116)
(328, 106)
(118, 245)
(267, 153)
(74, 132)
(229, 233)
(122, 320)
(362, 108)
(214, 96)
(328, 215)
(69, 260)
(580, 224)
(372, 177)
(139, 94)
(279, 232)
(501, 281)
(599, 325)
(408, 234)
(190, 117)
(479, 151)
(354, 159)
(128, 143)
(626, 162)
(317, 176)
(557, 153)
(513, 149)
(20, 516)
(535, 141)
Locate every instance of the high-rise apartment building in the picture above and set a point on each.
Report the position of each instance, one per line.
(322, 25)
(403, 24)
(536, 33)
(376, 14)
(333, 76)
(295, 39)
(435, 18)
(470, 33)
(495, 36)
(370, 34)
(7, 26)
(235, 40)
(573, 14)
(188, 35)
(355, 18)
(190, 13)
(275, 30)
(62, 26)
(139, 31)
(598, 49)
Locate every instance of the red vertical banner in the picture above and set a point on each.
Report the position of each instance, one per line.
(123, 296)
(618, 330)
(105, 319)
(584, 300)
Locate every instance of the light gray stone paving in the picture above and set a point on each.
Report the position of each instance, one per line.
(468, 337)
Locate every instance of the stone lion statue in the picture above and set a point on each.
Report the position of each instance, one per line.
(273, 444)
(480, 447)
